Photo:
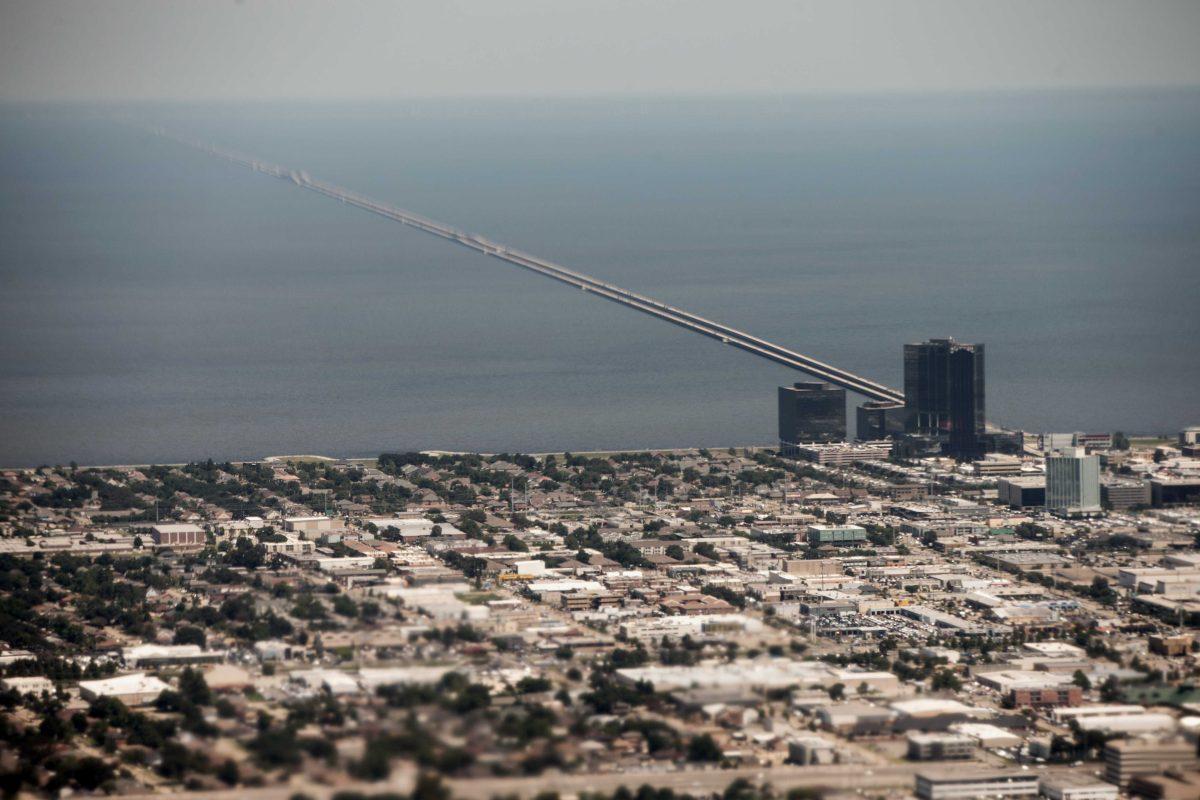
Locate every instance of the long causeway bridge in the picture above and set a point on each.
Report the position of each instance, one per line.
(638, 302)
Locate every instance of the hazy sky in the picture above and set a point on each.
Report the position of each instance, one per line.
(221, 49)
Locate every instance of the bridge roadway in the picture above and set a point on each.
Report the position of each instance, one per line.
(638, 302)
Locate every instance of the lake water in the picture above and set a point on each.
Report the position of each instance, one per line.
(159, 305)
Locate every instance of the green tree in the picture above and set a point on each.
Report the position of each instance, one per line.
(532, 685)
(190, 634)
(514, 543)
(471, 698)
(228, 772)
(89, 773)
(247, 554)
(430, 787)
(344, 606)
(944, 679)
(194, 688)
(704, 748)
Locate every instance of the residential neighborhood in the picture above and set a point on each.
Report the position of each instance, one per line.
(675, 623)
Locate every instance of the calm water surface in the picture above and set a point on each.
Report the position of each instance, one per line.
(158, 305)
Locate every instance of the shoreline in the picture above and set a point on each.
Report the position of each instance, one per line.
(282, 459)
(1135, 439)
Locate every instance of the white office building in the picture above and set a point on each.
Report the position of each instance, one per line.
(1072, 481)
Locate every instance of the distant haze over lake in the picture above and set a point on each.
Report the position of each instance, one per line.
(159, 305)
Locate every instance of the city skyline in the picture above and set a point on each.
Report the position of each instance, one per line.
(326, 474)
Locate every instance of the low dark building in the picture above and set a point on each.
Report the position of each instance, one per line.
(1125, 494)
(879, 419)
(1174, 491)
(1022, 491)
(811, 412)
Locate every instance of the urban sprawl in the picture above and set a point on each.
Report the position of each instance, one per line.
(942, 609)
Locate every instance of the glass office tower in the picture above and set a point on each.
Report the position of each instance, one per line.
(944, 395)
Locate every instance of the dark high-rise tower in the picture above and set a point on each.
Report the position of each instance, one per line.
(811, 412)
(944, 396)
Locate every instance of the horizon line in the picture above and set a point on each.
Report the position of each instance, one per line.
(649, 94)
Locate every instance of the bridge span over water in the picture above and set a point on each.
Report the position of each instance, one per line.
(647, 305)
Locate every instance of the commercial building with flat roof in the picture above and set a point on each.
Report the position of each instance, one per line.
(310, 527)
(178, 534)
(1174, 491)
(1077, 787)
(1174, 785)
(841, 454)
(132, 690)
(836, 535)
(1122, 494)
(939, 746)
(762, 674)
(1046, 698)
(968, 785)
(993, 464)
(1125, 758)
(160, 655)
(1022, 491)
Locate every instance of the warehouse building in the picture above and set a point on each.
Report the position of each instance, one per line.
(136, 689)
